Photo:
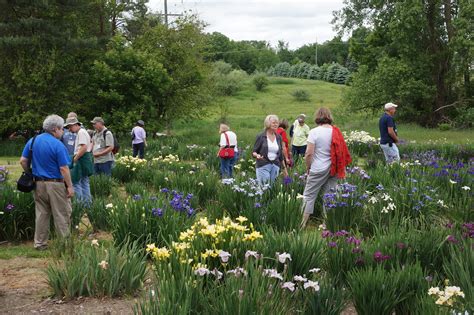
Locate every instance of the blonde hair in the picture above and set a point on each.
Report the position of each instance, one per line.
(267, 123)
(323, 116)
(223, 128)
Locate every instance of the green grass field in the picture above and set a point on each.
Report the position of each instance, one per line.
(247, 110)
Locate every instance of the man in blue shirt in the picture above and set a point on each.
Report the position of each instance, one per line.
(50, 167)
(388, 134)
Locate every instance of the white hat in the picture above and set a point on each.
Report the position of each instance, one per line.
(390, 105)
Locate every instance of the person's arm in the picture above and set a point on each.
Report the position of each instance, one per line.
(392, 134)
(309, 156)
(82, 150)
(144, 137)
(257, 148)
(67, 180)
(24, 163)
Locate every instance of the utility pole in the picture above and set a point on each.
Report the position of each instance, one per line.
(168, 14)
(316, 55)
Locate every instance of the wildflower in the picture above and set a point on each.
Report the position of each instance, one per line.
(299, 279)
(161, 253)
(315, 270)
(356, 250)
(299, 196)
(157, 212)
(401, 245)
(272, 273)
(201, 271)
(466, 188)
(353, 240)
(137, 197)
(379, 257)
(241, 219)
(237, 272)
(289, 286)
(453, 182)
(451, 239)
(326, 233)
(287, 180)
(200, 184)
(252, 253)
(9, 207)
(104, 265)
(379, 187)
(311, 285)
(429, 278)
(359, 261)
(224, 256)
(95, 243)
(453, 291)
(217, 274)
(322, 227)
(282, 258)
(252, 236)
(257, 205)
(150, 247)
(332, 244)
(109, 205)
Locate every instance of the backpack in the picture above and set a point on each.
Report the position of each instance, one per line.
(116, 143)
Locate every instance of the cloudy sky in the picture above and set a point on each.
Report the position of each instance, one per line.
(295, 21)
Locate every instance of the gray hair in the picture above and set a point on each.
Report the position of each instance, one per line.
(267, 123)
(52, 122)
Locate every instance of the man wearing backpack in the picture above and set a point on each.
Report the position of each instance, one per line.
(102, 147)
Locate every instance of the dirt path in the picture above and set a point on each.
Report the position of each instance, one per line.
(24, 290)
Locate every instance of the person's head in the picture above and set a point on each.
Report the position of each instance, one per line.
(53, 124)
(98, 123)
(271, 122)
(223, 128)
(71, 114)
(284, 124)
(141, 123)
(390, 108)
(72, 124)
(323, 116)
(301, 118)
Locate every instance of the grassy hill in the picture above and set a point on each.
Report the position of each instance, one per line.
(246, 111)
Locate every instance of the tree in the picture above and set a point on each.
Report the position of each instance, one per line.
(180, 50)
(420, 40)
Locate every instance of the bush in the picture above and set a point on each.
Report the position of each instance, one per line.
(17, 214)
(301, 95)
(97, 270)
(261, 81)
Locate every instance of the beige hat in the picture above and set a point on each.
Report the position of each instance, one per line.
(98, 119)
(390, 105)
(71, 121)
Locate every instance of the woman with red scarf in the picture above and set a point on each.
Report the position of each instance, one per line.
(326, 159)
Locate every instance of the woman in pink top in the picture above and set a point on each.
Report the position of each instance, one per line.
(139, 139)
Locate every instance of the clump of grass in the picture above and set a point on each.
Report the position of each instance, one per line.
(301, 95)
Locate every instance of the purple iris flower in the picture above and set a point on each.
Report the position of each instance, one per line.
(137, 197)
(401, 245)
(9, 207)
(379, 257)
(326, 234)
(157, 212)
(287, 180)
(452, 239)
(257, 205)
(332, 244)
(165, 190)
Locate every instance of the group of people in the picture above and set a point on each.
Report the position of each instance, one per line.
(324, 149)
(62, 159)
(64, 156)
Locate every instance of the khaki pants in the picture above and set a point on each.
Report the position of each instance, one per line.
(314, 183)
(51, 198)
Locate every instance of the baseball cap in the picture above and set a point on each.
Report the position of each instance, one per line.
(97, 119)
(71, 121)
(390, 105)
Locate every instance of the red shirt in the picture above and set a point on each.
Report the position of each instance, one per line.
(284, 138)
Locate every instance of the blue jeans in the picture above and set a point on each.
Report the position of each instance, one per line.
(227, 166)
(391, 153)
(103, 168)
(267, 174)
(82, 191)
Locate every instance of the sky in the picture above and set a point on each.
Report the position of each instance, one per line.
(297, 22)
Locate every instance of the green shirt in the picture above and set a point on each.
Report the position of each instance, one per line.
(101, 143)
(300, 135)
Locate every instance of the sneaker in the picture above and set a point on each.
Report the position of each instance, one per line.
(42, 247)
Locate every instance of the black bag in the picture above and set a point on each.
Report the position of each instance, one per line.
(26, 182)
(116, 143)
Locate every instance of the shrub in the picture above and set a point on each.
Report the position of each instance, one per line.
(17, 214)
(260, 80)
(101, 185)
(301, 95)
(94, 269)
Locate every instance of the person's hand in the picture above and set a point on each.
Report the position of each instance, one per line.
(285, 172)
(288, 162)
(96, 154)
(259, 157)
(70, 192)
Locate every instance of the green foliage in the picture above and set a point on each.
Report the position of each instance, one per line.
(334, 72)
(260, 80)
(460, 271)
(98, 270)
(101, 185)
(17, 214)
(227, 82)
(301, 95)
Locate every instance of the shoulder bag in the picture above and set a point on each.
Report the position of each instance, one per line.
(227, 152)
(26, 182)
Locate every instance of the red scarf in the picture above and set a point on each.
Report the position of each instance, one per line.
(340, 156)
